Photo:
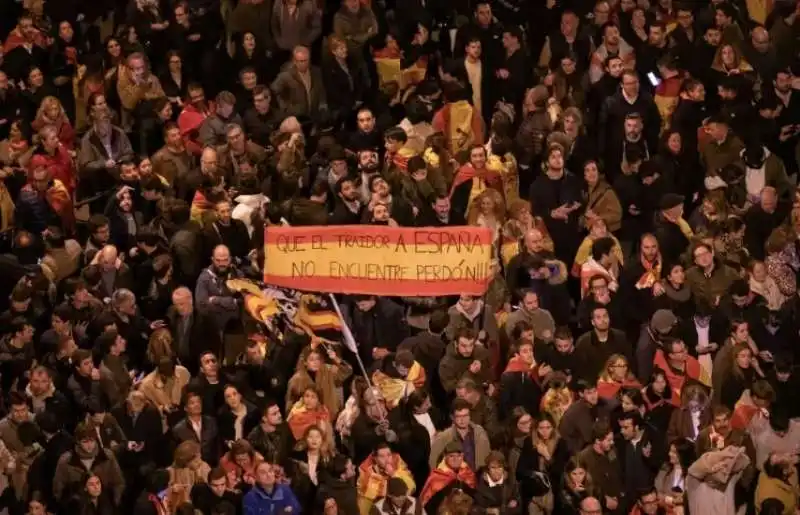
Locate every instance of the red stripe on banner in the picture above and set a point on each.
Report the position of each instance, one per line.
(290, 238)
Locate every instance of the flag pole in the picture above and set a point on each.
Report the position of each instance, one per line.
(349, 341)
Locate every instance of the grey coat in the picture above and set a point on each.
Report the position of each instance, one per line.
(301, 29)
(292, 96)
(212, 130)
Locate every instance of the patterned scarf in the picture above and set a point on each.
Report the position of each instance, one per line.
(652, 273)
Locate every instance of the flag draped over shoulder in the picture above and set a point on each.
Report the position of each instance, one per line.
(60, 201)
(394, 389)
(442, 476)
(372, 484)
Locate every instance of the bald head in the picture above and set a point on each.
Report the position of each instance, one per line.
(534, 240)
(221, 259)
(759, 38)
(182, 300)
(107, 257)
(208, 161)
(591, 506)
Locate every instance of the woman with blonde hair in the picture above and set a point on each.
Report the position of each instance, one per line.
(520, 221)
(327, 379)
(713, 210)
(187, 469)
(51, 112)
(615, 376)
(729, 61)
(160, 346)
(488, 210)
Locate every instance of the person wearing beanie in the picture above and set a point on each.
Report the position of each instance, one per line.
(661, 323)
(87, 455)
(671, 230)
(397, 500)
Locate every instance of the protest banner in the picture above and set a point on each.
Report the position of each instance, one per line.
(379, 260)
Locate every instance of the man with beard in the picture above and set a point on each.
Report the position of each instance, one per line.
(348, 207)
(613, 122)
(368, 166)
(138, 88)
(594, 347)
(173, 161)
(227, 231)
(440, 214)
(271, 437)
(703, 54)
(192, 117)
(212, 293)
(640, 282)
(399, 210)
(367, 136)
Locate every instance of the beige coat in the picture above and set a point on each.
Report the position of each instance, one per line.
(130, 93)
(440, 441)
(163, 394)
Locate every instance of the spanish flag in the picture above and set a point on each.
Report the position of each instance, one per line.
(372, 483)
(442, 476)
(394, 390)
(317, 316)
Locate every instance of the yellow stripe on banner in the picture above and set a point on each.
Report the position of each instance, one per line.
(428, 263)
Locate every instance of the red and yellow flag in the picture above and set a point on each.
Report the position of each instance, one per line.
(379, 260)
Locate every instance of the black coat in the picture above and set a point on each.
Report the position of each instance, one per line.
(227, 420)
(518, 389)
(383, 326)
(611, 125)
(209, 440)
(147, 429)
(529, 463)
(671, 241)
(344, 88)
(203, 336)
(206, 501)
(40, 474)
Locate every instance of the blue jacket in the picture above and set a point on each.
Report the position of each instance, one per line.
(259, 502)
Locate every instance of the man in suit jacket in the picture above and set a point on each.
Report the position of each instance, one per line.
(192, 331)
(198, 428)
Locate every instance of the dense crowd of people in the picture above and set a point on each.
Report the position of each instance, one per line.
(635, 162)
